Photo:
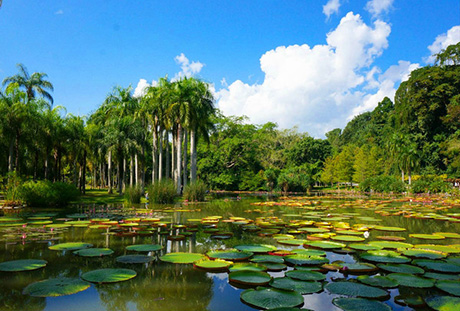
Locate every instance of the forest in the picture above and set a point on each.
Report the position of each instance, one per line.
(175, 132)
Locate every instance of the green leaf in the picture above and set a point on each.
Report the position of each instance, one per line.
(303, 287)
(182, 258)
(56, 287)
(22, 265)
(355, 289)
(246, 277)
(360, 304)
(267, 298)
(108, 275)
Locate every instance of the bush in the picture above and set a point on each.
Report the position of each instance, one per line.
(298, 178)
(162, 192)
(382, 183)
(430, 184)
(45, 193)
(133, 194)
(195, 191)
(11, 187)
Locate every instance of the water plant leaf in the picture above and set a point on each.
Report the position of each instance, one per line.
(443, 303)
(247, 266)
(411, 280)
(364, 247)
(442, 276)
(391, 244)
(56, 287)
(427, 236)
(450, 249)
(378, 280)
(360, 304)
(256, 248)
(93, 252)
(306, 275)
(271, 266)
(144, 247)
(423, 253)
(135, 259)
(71, 246)
(108, 275)
(437, 265)
(267, 258)
(401, 268)
(347, 238)
(325, 244)
(182, 258)
(355, 289)
(268, 298)
(305, 260)
(22, 265)
(230, 254)
(299, 286)
(357, 268)
(212, 265)
(393, 229)
(449, 286)
(255, 278)
(384, 256)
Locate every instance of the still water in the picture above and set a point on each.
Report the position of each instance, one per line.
(165, 286)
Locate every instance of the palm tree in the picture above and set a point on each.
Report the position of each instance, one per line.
(33, 84)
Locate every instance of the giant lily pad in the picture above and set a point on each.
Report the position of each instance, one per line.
(212, 265)
(356, 268)
(393, 229)
(423, 253)
(135, 259)
(443, 303)
(401, 268)
(256, 248)
(246, 266)
(347, 238)
(267, 258)
(254, 278)
(325, 244)
(440, 248)
(93, 252)
(384, 256)
(232, 255)
(268, 298)
(427, 236)
(437, 265)
(72, 246)
(378, 280)
(360, 304)
(182, 258)
(304, 260)
(364, 247)
(108, 275)
(390, 244)
(302, 287)
(144, 248)
(411, 280)
(451, 287)
(306, 275)
(56, 287)
(355, 289)
(22, 265)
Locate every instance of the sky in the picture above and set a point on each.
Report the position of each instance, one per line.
(314, 64)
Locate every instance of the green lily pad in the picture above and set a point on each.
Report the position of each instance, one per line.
(401, 268)
(246, 266)
(212, 265)
(360, 304)
(325, 244)
(357, 268)
(440, 248)
(256, 248)
(304, 260)
(393, 229)
(449, 235)
(437, 265)
(271, 266)
(254, 278)
(93, 252)
(384, 256)
(411, 280)
(451, 287)
(22, 265)
(364, 247)
(182, 258)
(378, 280)
(267, 258)
(268, 298)
(391, 244)
(292, 242)
(409, 300)
(442, 276)
(427, 236)
(108, 275)
(144, 247)
(355, 289)
(56, 287)
(72, 246)
(135, 259)
(301, 287)
(423, 253)
(443, 303)
(306, 275)
(232, 255)
(309, 252)
(347, 238)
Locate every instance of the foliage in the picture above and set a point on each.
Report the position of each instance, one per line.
(44, 193)
(133, 194)
(382, 183)
(11, 187)
(430, 184)
(162, 192)
(299, 178)
(195, 192)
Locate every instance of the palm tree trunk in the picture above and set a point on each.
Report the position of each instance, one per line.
(192, 156)
(83, 178)
(10, 156)
(131, 175)
(178, 159)
(124, 175)
(184, 159)
(75, 175)
(136, 168)
(168, 158)
(410, 177)
(109, 171)
(119, 175)
(154, 154)
(35, 164)
(173, 156)
(402, 175)
(18, 135)
(160, 156)
(46, 164)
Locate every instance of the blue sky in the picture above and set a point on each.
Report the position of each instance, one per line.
(296, 63)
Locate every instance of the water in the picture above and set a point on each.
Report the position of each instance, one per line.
(164, 286)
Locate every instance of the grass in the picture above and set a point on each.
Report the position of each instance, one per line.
(100, 196)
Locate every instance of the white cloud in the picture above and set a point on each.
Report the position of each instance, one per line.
(188, 68)
(378, 7)
(332, 6)
(452, 36)
(141, 87)
(59, 12)
(316, 87)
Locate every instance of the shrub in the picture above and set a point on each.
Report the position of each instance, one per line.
(430, 184)
(133, 194)
(11, 187)
(195, 191)
(162, 192)
(298, 178)
(45, 193)
(382, 183)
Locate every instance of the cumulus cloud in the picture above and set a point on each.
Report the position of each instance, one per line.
(188, 68)
(316, 87)
(141, 87)
(378, 7)
(59, 12)
(452, 36)
(331, 7)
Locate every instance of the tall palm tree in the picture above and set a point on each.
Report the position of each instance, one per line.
(33, 84)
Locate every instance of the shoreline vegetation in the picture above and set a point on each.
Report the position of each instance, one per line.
(173, 132)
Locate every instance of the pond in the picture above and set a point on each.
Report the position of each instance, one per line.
(397, 253)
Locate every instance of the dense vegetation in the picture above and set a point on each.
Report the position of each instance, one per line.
(127, 139)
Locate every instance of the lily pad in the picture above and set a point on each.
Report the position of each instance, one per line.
(411, 280)
(212, 265)
(56, 287)
(254, 278)
(246, 266)
(451, 287)
(182, 258)
(93, 252)
(108, 275)
(325, 244)
(135, 259)
(360, 304)
(301, 287)
(355, 289)
(304, 260)
(442, 276)
(391, 244)
(256, 248)
(441, 248)
(232, 255)
(364, 247)
(347, 238)
(437, 265)
(423, 253)
(144, 247)
(306, 275)
(427, 236)
(267, 258)
(268, 298)
(384, 256)
(22, 265)
(393, 229)
(70, 246)
(401, 268)
(357, 268)
(443, 303)
(378, 280)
